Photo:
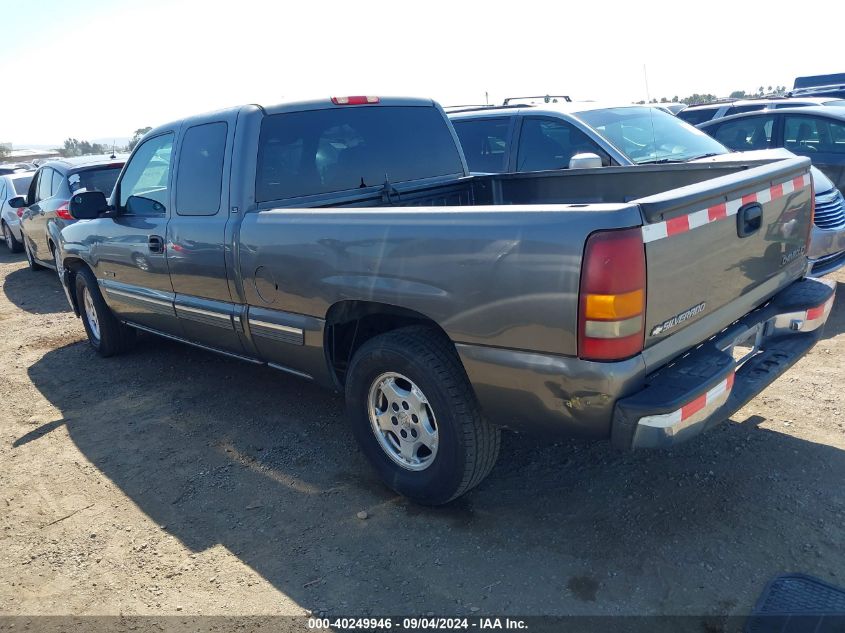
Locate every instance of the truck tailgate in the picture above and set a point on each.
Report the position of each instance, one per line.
(718, 249)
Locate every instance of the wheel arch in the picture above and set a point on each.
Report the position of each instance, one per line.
(72, 265)
(351, 323)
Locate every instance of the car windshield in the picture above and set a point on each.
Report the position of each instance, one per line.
(647, 135)
(21, 183)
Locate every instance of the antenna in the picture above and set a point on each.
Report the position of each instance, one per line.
(645, 76)
(113, 155)
(486, 98)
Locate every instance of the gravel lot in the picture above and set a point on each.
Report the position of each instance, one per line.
(175, 481)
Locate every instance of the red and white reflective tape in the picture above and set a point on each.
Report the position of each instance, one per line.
(706, 403)
(685, 223)
(814, 318)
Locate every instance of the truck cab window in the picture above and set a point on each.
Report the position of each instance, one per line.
(144, 187)
(200, 174)
(341, 149)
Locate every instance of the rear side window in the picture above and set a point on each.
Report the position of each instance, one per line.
(95, 179)
(57, 182)
(45, 184)
(347, 148)
(807, 135)
(746, 134)
(695, 116)
(484, 142)
(200, 176)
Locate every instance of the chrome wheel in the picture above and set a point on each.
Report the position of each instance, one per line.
(91, 314)
(403, 421)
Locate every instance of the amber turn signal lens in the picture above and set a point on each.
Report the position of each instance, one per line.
(612, 307)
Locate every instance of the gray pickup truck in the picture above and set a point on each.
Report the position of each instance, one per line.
(344, 241)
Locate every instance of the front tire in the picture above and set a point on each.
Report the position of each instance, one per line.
(416, 418)
(12, 243)
(107, 335)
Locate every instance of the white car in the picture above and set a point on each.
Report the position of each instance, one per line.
(11, 185)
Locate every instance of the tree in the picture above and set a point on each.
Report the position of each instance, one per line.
(4, 151)
(74, 147)
(136, 137)
(738, 94)
(699, 98)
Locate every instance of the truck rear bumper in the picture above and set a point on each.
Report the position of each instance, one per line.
(554, 396)
(706, 386)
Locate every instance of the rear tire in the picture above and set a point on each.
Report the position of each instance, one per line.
(410, 382)
(107, 335)
(12, 243)
(33, 265)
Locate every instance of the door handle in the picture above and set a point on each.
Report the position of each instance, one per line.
(156, 244)
(749, 219)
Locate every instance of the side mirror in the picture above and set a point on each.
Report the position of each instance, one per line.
(18, 202)
(586, 160)
(87, 205)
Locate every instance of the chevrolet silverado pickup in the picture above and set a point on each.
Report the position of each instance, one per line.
(344, 241)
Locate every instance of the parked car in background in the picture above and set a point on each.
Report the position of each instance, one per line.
(12, 186)
(700, 113)
(815, 132)
(827, 86)
(45, 207)
(500, 139)
(543, 137)
(13, 168)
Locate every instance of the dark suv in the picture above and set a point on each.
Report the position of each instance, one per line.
(46, 212)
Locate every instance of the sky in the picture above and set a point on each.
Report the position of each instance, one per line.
(98, 69)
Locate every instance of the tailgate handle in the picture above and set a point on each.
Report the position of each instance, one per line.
(749, 219)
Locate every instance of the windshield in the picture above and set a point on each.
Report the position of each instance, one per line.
(647, 135)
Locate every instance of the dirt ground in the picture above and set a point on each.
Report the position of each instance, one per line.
(175, 481)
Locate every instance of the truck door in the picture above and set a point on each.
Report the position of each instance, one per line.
(130, 255)
(196, 237)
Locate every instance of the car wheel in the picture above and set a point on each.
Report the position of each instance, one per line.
(107, 335)
(416, 418)
(33, 265)
(12, 243)
(57, 262)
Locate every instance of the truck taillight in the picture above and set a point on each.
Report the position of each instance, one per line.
(358, 100)
(63, 211)
(611, 316)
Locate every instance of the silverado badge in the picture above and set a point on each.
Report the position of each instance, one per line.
(678, 318)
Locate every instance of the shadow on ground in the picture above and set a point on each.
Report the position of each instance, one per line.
(222, 452)
(43, 297)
